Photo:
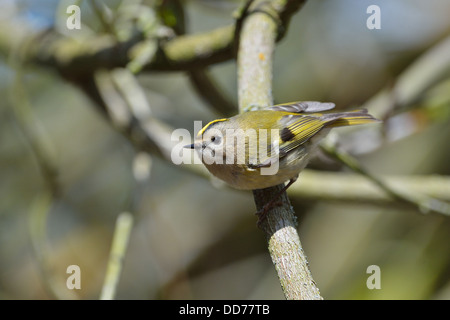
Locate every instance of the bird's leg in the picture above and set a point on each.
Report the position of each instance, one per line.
(262, 213)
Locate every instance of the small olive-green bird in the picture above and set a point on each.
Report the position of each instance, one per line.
(264, 148)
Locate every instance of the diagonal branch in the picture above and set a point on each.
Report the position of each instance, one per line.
(423, 202)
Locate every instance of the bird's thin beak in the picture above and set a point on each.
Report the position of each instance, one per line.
(190, 146)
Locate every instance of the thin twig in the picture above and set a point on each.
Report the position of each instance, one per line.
(121, 236)
(424, 203)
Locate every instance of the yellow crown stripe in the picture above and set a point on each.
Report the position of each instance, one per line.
(209, 124)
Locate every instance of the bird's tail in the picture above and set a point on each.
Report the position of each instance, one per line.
(349, 118)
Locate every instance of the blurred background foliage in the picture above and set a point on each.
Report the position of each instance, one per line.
(192, 238)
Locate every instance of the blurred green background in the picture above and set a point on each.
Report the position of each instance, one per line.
(192, 238)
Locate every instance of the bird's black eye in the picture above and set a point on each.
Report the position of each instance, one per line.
(215, 139)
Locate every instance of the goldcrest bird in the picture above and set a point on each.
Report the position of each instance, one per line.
(264, 148)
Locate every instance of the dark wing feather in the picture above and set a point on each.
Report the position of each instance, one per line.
(302, 128)
(297, 130)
